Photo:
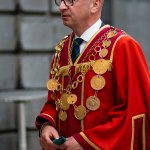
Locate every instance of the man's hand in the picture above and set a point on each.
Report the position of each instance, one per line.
(48, 132)
(71, 144)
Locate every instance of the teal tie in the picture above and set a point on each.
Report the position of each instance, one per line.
(76, 48)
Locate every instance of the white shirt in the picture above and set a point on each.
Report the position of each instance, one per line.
(87, 35)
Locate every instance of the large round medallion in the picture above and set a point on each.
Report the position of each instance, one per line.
(62, 115)
(63, 101)
(103, 53)
(97, 82)
(100, 66)
(72, 98)
(80, 112)
(52, 84)
(93, 103)
(106, 43)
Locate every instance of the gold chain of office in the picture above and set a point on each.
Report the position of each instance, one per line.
(97, 82)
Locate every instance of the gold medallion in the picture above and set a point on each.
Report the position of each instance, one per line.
(93, 103)
(62, 115)
(52, 84)
(72, 98)
(63, 101)
(106, 43)
(80, 112)
(111, 34)
(103, 53)
(100, 66)
(97, 82)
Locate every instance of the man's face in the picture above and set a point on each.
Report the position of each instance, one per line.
(77, 15)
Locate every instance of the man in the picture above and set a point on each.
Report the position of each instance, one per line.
(98, 99)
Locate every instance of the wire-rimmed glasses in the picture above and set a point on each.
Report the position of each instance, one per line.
(66, 2)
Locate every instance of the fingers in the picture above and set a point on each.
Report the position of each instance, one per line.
(48, 132)
(71, 144)
(55, 134)
(45, 141)
(51, 131)
(47, 144)
(62, 147)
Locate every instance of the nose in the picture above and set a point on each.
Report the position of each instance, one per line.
(62, 6)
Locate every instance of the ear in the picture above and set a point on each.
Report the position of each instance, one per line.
(96, 6)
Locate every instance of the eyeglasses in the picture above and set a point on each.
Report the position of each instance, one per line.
(66, 2)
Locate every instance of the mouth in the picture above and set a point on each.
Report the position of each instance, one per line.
(65, 16)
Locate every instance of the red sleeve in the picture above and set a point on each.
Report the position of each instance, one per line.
(48, 112)
(128, 125)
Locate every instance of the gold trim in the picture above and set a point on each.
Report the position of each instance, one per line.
(88, 141)
(113, 48)
(143, 131)
(64, 70)
(69, 50)
(49, 117)
(82, 99)
(90, 42)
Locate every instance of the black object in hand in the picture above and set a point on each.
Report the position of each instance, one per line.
(59, 141)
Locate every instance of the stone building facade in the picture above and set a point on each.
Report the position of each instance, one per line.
(29, 30)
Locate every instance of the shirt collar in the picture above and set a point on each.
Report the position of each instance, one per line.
(87, 35)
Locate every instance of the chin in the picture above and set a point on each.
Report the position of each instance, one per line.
(67, 24)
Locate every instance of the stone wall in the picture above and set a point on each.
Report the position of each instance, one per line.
(29, 30)
(133, 17)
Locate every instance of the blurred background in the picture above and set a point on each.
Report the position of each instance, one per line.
(29, 30)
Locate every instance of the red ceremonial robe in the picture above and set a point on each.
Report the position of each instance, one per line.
(122, 120)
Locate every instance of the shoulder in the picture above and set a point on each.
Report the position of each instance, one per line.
(126, 46)
(127, 42)
(60, 45)
(124, 37)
